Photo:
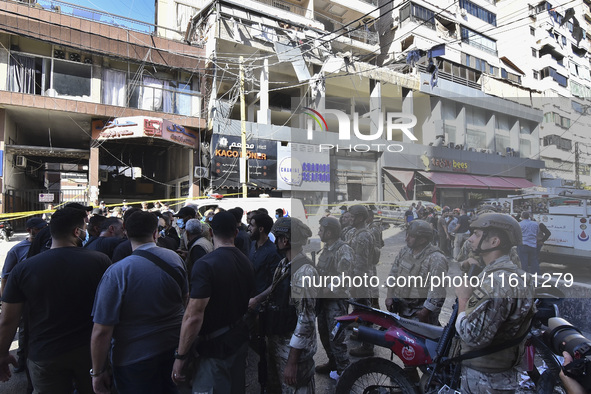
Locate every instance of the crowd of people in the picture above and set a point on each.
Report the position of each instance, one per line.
(132, 305)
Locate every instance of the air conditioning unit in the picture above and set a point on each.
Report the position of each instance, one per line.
(451, 145)
(21, 161)
(463, 12)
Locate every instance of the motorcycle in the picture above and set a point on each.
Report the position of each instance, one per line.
(6, 231)
(430, 349)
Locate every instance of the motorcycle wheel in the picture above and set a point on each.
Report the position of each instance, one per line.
(374, 375)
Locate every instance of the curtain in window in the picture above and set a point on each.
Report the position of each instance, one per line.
(114, 87)
(151, 94)
(167, 98)
(21, 74)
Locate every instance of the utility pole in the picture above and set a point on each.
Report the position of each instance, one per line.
(243, 156)
(577, 176)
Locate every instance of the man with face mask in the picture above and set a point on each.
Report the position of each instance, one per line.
(55, 359)
(183, 216)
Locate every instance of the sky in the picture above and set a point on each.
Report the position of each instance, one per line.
(142, 10)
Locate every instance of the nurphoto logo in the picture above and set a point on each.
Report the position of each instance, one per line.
(394, 121)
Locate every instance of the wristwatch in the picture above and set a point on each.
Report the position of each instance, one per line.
(179, 356)
(95, 374)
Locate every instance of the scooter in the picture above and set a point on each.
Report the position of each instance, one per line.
(428, 348)
(6, 231)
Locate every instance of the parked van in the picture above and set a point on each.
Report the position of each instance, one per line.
(290, 206)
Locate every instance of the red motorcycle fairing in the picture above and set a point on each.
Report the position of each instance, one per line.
(410, 348)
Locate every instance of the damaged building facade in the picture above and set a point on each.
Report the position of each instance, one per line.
(361, 100)
(93, 108)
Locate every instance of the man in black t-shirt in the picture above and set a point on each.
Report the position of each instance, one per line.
(222, 283)
(58, 287)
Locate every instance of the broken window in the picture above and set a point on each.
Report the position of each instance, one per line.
(71, 79)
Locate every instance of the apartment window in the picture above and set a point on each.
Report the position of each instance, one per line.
(551, 72)
(536, 74)
(491, 70)
(423, 14)
(479, 12)
(502, 142)
(563, 40)
(478, 40)
(534, 52)
(475, 139)
(524, 148)
(71, 79)
(559, 142)
(468, 60)
(532, 30)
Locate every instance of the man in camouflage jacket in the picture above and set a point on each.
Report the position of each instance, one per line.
(495, 313)
(336, 259)
(419, 259)
(290, 312)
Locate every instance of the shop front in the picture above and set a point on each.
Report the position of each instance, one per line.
(141, 158)
(456, 177)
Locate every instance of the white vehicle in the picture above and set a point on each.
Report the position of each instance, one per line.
(290, 206)
(567, 216)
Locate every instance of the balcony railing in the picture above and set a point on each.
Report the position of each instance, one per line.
(78, 11)
(353, 32)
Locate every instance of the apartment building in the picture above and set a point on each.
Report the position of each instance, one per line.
(94, 107)
(554, 47)
(476, 133)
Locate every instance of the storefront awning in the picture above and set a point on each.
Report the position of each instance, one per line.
(520, 182)
(466, 181)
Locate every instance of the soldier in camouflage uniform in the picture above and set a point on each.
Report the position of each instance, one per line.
(491, 314)
(347, 229)
(289, 315)
(335, 259)
(419, 258)
(362, 243)
(466, 252)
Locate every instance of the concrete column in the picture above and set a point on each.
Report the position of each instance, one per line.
(434, 126)
(490, 132)
(3, 160)
(408, 108)
(376, 123)
(93, 175)
(264, 113)
(461, 127)
(514, 136)
(192, 174)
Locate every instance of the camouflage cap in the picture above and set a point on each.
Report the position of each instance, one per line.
(293, 228)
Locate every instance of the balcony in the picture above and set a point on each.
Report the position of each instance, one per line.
(81, 12)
